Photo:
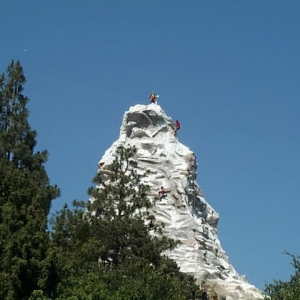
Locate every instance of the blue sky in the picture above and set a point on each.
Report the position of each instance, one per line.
(228, 70)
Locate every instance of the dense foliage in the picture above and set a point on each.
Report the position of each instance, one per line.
(111, 248)
(25, 195)
(286, 290)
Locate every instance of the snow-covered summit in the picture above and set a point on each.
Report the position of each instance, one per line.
(187, 215)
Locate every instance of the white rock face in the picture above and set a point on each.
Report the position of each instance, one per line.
(188, 217)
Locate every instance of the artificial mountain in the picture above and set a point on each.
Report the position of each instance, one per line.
(187, 216)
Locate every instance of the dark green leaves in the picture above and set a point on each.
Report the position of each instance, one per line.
(25, 196)
(112, 242)
(286, 290)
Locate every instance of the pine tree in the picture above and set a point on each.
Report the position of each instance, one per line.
(120, 204)
(112, 248)
(25, 195)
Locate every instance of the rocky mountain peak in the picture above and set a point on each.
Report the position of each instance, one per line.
(183, 209)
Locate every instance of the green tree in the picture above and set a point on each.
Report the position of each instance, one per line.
(25, 195)
(112, 247)
(120, 207)
(286, 290)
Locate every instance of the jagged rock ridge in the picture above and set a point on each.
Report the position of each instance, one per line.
(185, 212)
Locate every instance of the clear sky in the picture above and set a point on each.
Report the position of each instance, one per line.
(228, 70)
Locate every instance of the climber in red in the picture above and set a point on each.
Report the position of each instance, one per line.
(152, 97)
(177, 127)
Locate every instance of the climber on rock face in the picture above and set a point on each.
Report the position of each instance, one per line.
(161, 192)
(177, 127)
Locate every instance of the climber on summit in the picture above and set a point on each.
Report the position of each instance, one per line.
(177, 127)
(153, 97)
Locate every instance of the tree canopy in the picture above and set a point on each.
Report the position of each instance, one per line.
(286, 290)
(25, 194)
(111, 247)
